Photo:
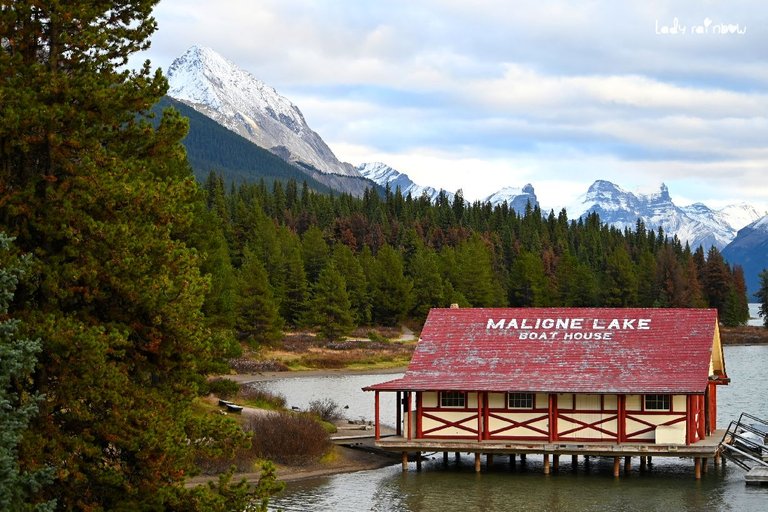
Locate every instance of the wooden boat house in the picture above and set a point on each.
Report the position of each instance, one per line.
(589, 381)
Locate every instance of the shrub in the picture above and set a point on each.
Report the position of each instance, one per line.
(223, 388)
(289, 438)
(262, 398)
(326, 409)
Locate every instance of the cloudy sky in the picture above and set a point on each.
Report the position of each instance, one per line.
(484, 94)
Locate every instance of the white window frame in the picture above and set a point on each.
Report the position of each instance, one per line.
(450, 397)
(657, 402)
(520, 398)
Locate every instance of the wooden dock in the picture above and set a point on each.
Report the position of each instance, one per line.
(699, 452)
(757, 476)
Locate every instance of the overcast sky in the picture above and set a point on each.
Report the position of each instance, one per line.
(484, 94)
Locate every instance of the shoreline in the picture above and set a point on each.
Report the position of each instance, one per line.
(245, 378)
(349, 460)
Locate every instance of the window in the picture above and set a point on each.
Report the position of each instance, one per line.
(453, 399)
(657, 402)
(520, 400)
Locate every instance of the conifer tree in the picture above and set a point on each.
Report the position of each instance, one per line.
(258, 320)
(314, 252)
(762, 297)
(390, 287)
(331, 310)
(18, 356)
(428, 287)
(357, 286)
(294, 291)
(103, 201)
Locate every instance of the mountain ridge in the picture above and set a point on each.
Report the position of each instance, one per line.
(218, 88)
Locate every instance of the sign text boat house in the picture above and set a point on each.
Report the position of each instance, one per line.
(590, 381)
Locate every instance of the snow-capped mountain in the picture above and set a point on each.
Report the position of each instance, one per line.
(234, 98)
(384, 175)
(516, 198)
(696, 224)
(750, 250)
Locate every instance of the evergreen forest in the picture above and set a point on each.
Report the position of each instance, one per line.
(333, 262)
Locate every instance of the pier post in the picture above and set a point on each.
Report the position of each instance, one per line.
(555, 462)
(546, 463)
(477, 462)
(418, 461)
(627, 464)
(512, 460)
(643, 462)
(574, 461)
(405, 461)
(522, 458)
(488, 460)
(697, 467)
(704, 465)
(457, 456)
(616, 467)
(445, 458)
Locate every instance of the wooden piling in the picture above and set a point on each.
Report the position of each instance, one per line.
(697, 467)
(704, 461)
(643, 462)
(445, 458)
(522, 458)
(574, 461)
(546, 463)
(512, 460)
(616, 467)
(488, 460)
(627, 464)
(555, 462)
(477, 462)
(405, 461)
(418, 461)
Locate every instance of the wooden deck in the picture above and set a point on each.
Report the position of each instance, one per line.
(702, 449)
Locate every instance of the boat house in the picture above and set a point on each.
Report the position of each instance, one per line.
(590, 381)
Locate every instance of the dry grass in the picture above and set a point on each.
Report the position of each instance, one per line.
(305, 351)
(748, 335)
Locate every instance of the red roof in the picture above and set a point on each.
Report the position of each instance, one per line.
(566, 350)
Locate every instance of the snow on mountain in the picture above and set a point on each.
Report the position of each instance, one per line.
(750, 250)
(383, 174)
(696, 224)
(234, 98)
(516, 198)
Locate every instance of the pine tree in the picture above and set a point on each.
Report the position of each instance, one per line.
(390, 288)
(357, 286)
(294, 291)
(428, 288)
(18, 356)
(762, 297)
(103, 199)
(331, 310)
(257, 317)
(314, 252)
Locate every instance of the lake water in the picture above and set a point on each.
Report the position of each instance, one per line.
(668, 486)
(754, 316)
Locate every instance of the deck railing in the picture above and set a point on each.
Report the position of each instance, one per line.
(744, 442)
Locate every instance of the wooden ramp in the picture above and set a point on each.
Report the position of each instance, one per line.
(745, 444)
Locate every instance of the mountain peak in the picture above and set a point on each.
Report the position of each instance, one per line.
(384, 175)
(233, 97)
